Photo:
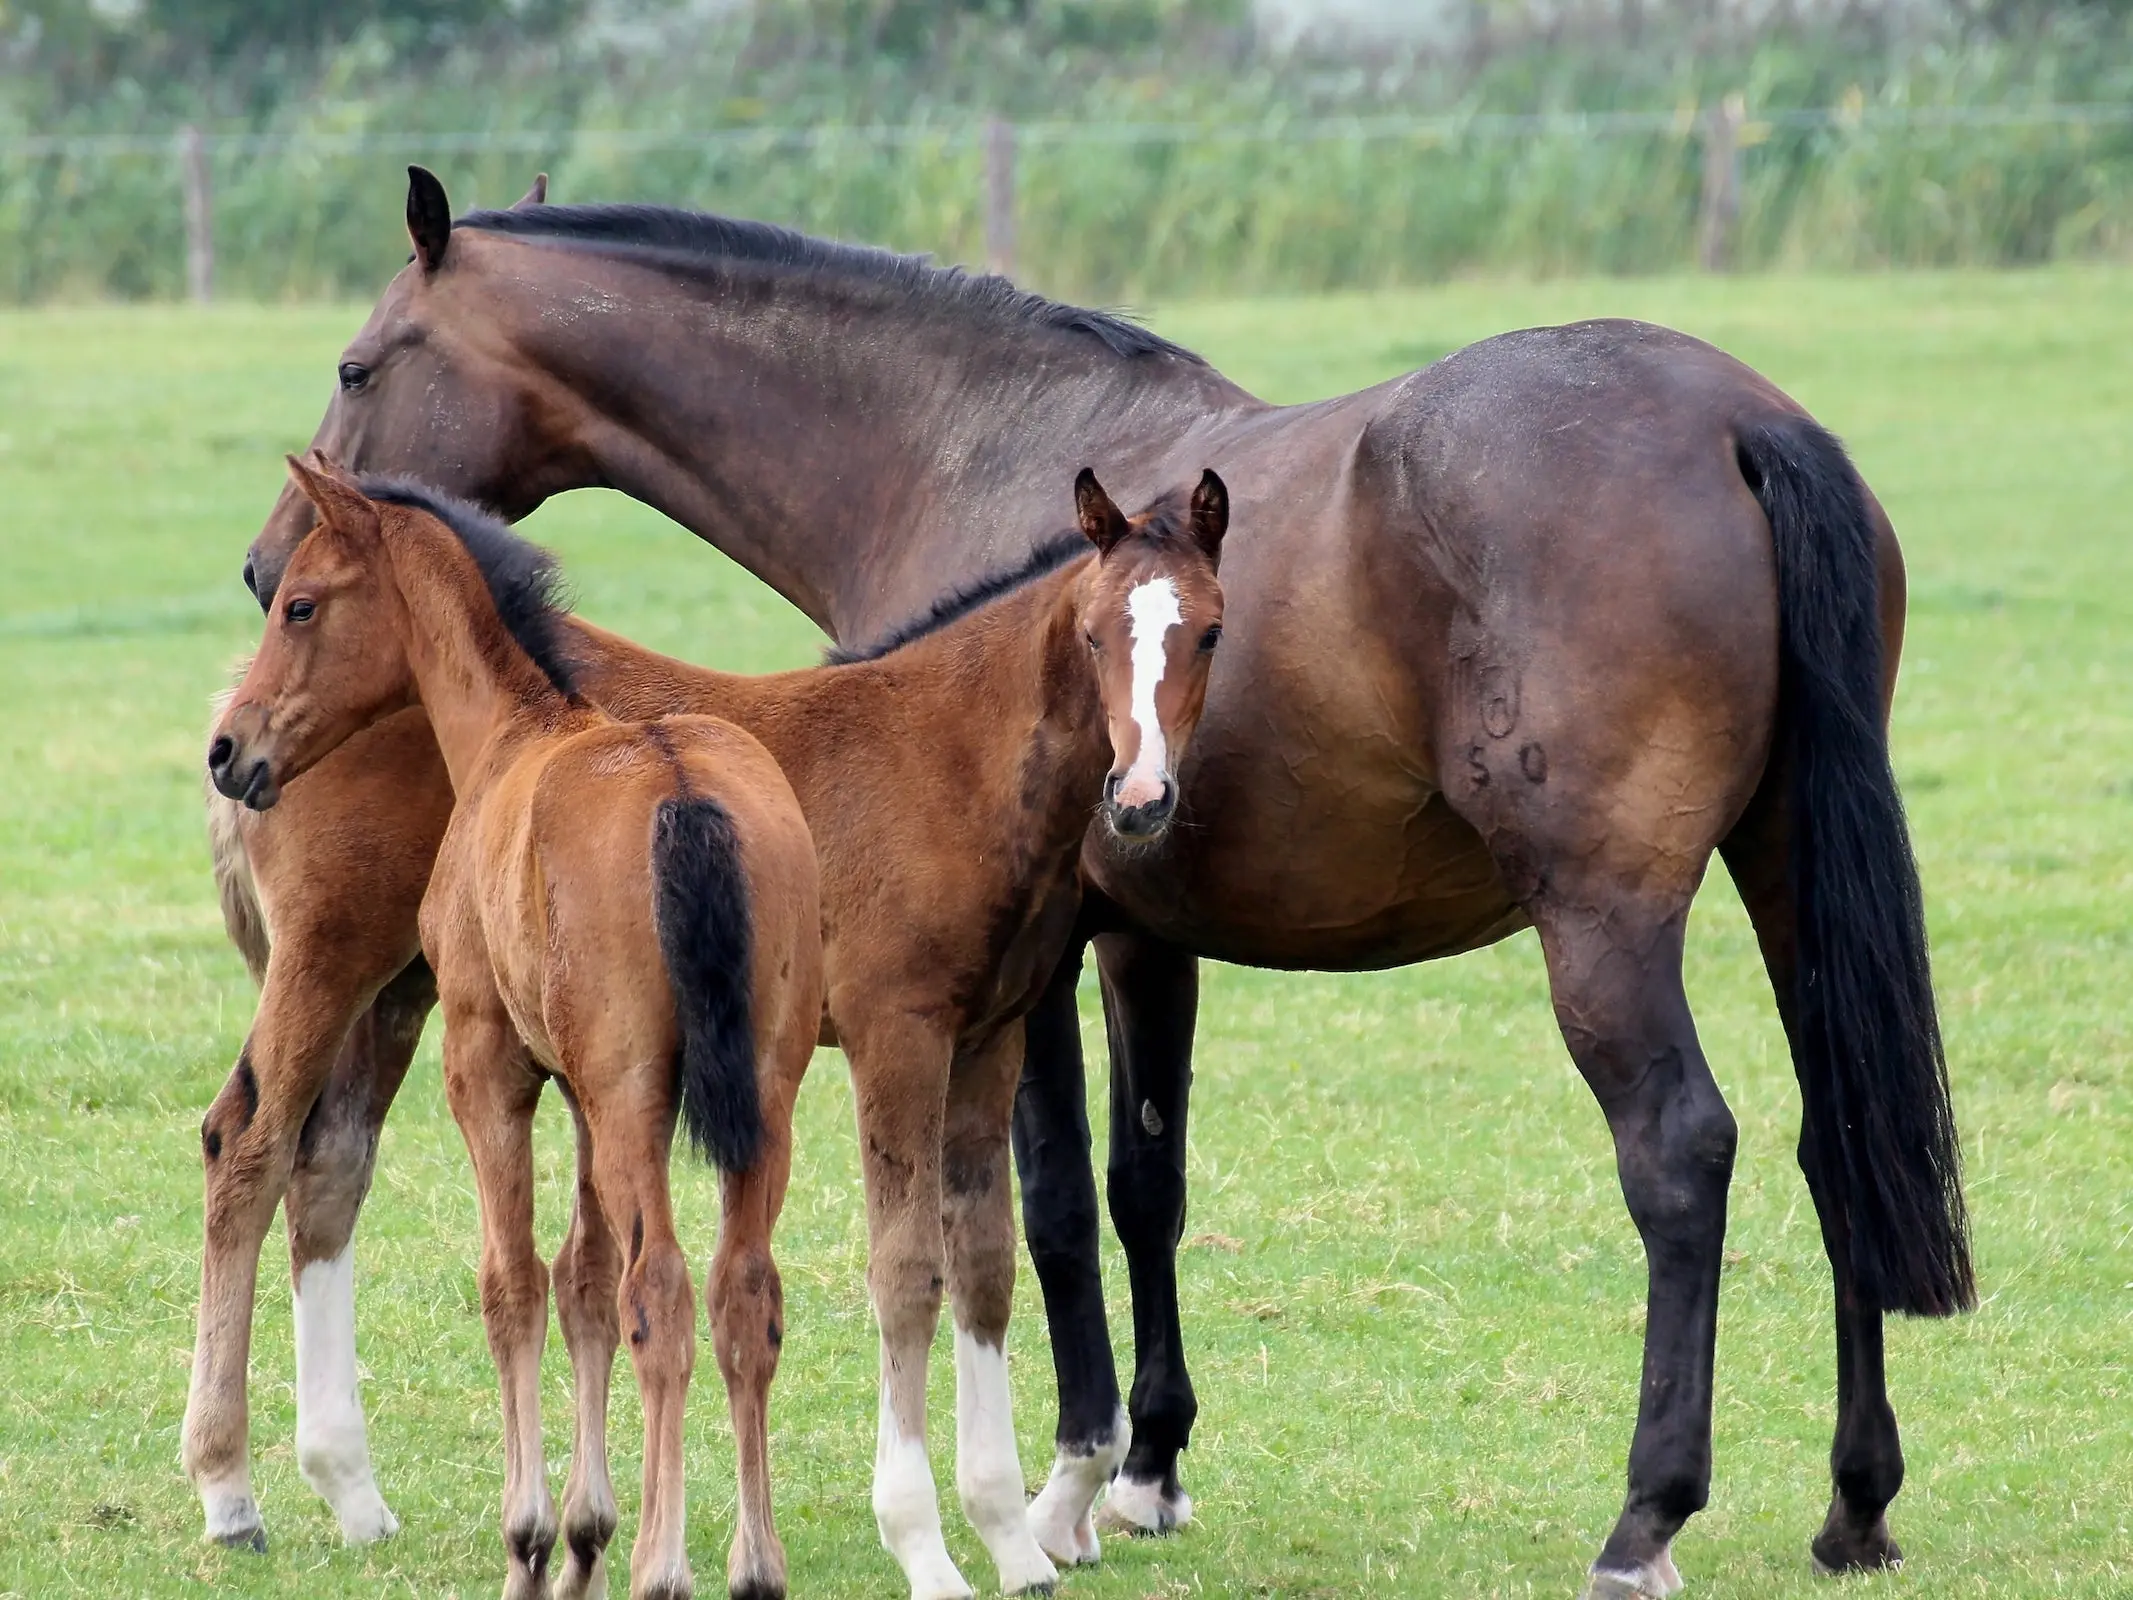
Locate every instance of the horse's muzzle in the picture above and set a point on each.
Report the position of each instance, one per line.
(1142, 821)
(237, 776)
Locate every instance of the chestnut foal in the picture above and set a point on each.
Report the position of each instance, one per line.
(633, 909)
(948, 775)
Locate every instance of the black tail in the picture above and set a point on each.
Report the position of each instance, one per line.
(700, 897)
(1867, 1039)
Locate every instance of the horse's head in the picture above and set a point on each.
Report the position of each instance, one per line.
(1151, 610)
(332, 660)
(427, 389)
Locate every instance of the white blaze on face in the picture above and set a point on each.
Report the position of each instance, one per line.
(1152, 609)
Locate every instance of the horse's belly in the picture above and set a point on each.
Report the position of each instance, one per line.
(1352, 878)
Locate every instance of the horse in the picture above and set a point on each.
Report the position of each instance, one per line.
(1528, 635)
(631, 909)
(946, 773)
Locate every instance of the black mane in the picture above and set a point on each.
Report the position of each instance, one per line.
(524, 580)
(1049, 556)
(1165, 519)
(696, 239)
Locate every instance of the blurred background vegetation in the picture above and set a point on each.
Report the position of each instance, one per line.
(1166, 146)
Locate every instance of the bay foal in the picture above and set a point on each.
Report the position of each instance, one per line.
(632, 909)
(948, 773)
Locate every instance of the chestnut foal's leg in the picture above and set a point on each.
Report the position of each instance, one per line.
(631, 1118)
(747, 1303)
(1060, 1219)
(979, 1218)
(1866, 1455)
(588, 1271)
(249, 1143)
(335, 1154)
(494, 1088)
(899, 1079)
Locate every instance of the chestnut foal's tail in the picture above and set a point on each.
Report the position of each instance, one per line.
(701, 896)
(1866, 1038)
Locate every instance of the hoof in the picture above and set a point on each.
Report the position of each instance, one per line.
(233, 1519)
(1062, 1517)
(756, 1588)
(1143, 1507)
(253, 1539)
(1655, 1580)
(1842, 1547)
(1028, 1571)
(367, 1521)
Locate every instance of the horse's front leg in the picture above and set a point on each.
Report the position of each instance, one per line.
(335, 1155)
(979, 1218)
(1151, 997)
(1059, 1215)
(249, 1142)
(900, 1085)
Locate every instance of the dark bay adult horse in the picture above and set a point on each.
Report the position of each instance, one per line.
(1515, 641)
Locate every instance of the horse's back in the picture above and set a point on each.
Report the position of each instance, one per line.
(1519, 603)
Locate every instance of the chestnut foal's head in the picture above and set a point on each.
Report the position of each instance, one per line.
(333, 660)
(1152, 613)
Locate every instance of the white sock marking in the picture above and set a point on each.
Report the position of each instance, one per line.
(1153, 610)
(906, 1509)
(1062, 1516)
(232, 1514)
(332, 1448)
(988, 1472)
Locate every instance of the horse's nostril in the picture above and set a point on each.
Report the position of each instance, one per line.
(1111, 783)
(219, 753)
(251, 577)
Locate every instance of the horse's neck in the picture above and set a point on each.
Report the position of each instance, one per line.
(479, 689)
(861, 467)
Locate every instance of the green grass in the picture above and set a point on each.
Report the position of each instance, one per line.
(1413, 1297)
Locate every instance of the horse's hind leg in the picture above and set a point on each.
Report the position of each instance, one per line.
(1614, 967)
(979, 1217)
(494, 1089)
(632, 1124)
(587, 1271)
(1866, 1456)
(1151, 996)
(335, 1154)
(1060, 1221)
(747, 1303)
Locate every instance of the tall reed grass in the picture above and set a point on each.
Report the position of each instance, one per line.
(1222, 192)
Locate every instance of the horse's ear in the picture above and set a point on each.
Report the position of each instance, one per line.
(535, 196)
(1102, 521)
(1210, 514)
(429, 217)
(333, 494)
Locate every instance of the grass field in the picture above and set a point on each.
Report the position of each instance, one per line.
(1413, 1298)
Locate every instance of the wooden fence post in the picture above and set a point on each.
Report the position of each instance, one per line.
(199, 216)
(1000, 197)
(1721, 183)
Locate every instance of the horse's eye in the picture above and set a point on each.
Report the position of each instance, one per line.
(353, 376)
(1091, 638)
(300, 610)
(1212, 637)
